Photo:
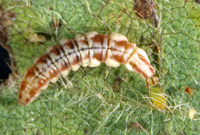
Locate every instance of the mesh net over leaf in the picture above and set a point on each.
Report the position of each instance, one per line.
(95, 100)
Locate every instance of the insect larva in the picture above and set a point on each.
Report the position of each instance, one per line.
(91, 50)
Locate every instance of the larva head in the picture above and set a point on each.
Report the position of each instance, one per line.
(142, 63)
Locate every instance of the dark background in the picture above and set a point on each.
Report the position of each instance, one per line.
(4, 67)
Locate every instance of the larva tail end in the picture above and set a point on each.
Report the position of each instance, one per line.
(22, 100)
(27, 95)
(27, 99)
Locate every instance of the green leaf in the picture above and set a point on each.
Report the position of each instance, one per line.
(81, 104)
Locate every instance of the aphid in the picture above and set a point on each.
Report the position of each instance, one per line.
(91, 50)
(158, 98)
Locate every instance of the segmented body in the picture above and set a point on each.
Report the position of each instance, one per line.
(91, 50)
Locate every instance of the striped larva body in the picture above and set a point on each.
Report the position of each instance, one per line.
(90, 50)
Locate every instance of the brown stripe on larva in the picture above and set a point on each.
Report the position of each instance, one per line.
(23, 86)
(33, 92)
(112, 49)
(42, 59)
(30, 72)
(117, 57)
(98, 39)
(69, 44)
(56, 50)
(97, 56)
(121, 43)
(121, 48)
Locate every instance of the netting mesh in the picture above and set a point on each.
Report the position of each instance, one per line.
(105, 100)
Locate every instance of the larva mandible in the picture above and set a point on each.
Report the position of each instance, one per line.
(85, 50)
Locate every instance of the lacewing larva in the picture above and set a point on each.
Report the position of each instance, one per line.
(91, 50)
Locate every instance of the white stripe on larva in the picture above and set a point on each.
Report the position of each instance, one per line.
(104, 47)
(91, 50)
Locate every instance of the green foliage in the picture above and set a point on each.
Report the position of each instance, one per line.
(81, 103)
